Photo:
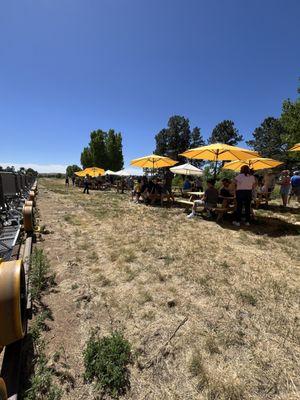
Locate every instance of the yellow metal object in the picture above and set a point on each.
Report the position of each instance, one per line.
(253, 163)
(31, 195)
(296, 147)
(28, 220)
(12, 302)
(3, 392)
(219, 152)
(153, 161)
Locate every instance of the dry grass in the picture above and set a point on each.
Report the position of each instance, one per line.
(144, 269)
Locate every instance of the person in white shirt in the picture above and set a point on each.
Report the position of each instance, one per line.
(245, 183)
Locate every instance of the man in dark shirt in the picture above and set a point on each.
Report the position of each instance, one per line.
(168, 180)
(155, 191)
(209, 200)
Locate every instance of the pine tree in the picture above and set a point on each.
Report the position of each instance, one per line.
(225, 132)
(268, 139)
(86, 159)
(175, 139)
(196, 141)
(98, 149)
(114, 150)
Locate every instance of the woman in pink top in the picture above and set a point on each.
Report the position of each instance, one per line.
(245, 182)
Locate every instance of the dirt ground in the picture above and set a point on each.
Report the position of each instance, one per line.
(145, 270)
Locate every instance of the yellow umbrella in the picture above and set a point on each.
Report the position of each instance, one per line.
(296, 147)
(153, 161)
(219, 152)
(94, 172)
(253, 163)
(80, 173)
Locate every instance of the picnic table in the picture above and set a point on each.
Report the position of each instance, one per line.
(195, 193)
(219, 209)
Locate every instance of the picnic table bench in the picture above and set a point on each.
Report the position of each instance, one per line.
(219, 210)
(176, 190)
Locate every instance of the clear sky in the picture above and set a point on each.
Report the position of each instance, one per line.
(71, 66)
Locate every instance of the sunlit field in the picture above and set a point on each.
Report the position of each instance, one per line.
(211, 311)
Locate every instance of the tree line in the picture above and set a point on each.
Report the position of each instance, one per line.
(104, 150)
(271, 139)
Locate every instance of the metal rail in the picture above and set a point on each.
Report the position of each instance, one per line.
(12, 361)
(9, 234)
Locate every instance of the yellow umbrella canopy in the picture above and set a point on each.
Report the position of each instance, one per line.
(91, 171)
(253, 163)
(296, 147)
(219, 152)
(94, 172)
(80, 173)
(153, 161)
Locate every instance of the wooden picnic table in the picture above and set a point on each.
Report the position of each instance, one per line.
(195, 193)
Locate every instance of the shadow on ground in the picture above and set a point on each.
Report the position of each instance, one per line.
(269, 226)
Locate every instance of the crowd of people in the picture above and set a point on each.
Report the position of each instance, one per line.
(152, 190)
(238, 193)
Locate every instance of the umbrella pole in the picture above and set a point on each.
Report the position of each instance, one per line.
(216, 162)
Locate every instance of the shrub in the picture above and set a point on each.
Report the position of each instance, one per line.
(42, 385)
(39, 271)
(106, 361)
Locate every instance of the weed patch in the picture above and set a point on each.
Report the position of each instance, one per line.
(106, 360)
(39, 276)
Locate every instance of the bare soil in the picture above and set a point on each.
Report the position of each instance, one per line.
(145, 270)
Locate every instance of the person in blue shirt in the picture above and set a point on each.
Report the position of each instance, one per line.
(187, 186)
(295, 182)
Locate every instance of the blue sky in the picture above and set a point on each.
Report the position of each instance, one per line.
(71, 66)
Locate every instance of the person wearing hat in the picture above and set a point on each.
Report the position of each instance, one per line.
(285, 186)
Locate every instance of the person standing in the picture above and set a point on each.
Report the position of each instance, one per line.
(168, 180)
(285, 186)
(67, 181)
(295, 182)
(245, 183)
(86, 185)
(73, 180)
(198, 184)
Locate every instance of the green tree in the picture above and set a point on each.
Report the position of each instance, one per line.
(104, 150)
(98, 149)
(114, 150)
(196, 140)
(71, 169)
(162, 142)
(86, 158)
(175, 139)
(268, 139)
(290, 119)
(225, 132)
